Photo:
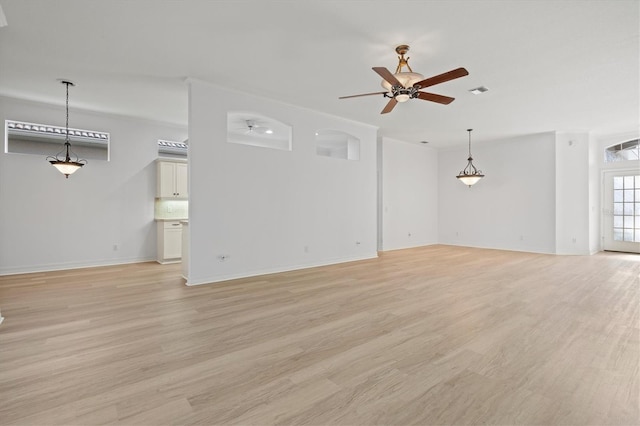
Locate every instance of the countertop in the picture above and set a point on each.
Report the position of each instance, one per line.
(172, 220)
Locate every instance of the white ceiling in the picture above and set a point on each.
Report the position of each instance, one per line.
(549, 65)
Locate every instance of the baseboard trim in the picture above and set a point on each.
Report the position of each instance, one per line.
(521, 250)
(256, 273)
(67, 266)
(410, 246)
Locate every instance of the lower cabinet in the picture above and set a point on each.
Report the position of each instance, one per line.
(169, 241)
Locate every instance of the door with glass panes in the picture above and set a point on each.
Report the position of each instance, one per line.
(622, 211)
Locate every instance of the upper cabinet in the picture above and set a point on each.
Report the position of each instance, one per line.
(172, 180)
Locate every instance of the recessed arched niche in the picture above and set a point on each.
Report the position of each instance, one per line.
(22, 137)
(250, 128)
(337, 144)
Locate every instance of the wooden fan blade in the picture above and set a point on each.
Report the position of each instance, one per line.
(387, 76)
(450, 75)
(364, 94)
(435, 98)
(392, 103)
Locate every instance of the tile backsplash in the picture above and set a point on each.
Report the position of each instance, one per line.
(171, 209)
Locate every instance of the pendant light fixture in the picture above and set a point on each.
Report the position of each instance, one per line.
(470, 175)
(71, 162)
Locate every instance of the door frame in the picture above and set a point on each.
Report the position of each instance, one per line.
(620, 171)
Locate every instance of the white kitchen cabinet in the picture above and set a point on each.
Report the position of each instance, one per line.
(172, 180)
(169, 241)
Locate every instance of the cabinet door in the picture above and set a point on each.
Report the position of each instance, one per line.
(181, 180)
(166, 180)
(172, 243)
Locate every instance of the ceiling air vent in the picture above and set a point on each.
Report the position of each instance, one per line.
(478, 90)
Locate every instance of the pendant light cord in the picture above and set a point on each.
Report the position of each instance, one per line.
(67, 105)
(67, 142)
(68, 165)
(469, 130)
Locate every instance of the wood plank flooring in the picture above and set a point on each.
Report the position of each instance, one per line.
(433, 335)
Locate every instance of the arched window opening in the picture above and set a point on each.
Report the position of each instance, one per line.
(625, 151)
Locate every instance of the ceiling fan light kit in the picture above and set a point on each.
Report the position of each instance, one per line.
(405, 85)
(406, 79)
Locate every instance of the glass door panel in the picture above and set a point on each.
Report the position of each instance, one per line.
(622, 211)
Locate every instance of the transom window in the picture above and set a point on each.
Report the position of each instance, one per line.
(624, 151)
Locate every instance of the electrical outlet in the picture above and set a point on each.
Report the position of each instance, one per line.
(116, 247)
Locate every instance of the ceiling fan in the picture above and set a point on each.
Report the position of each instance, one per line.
(252, 126)
(403, 85)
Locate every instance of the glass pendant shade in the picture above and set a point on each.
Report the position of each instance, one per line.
(470, 180)
(470, 175)
(66, 167)
(68, 164)
(407, 79)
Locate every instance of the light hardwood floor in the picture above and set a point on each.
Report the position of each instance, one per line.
(434, 335)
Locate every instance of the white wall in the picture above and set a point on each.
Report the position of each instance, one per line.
(48, 222)
(512, 208)
(595, 199)
(572, 193)
(264, 207)
(259, 207)
(409, 194)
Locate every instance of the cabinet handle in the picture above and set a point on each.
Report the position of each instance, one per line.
(175, 224)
